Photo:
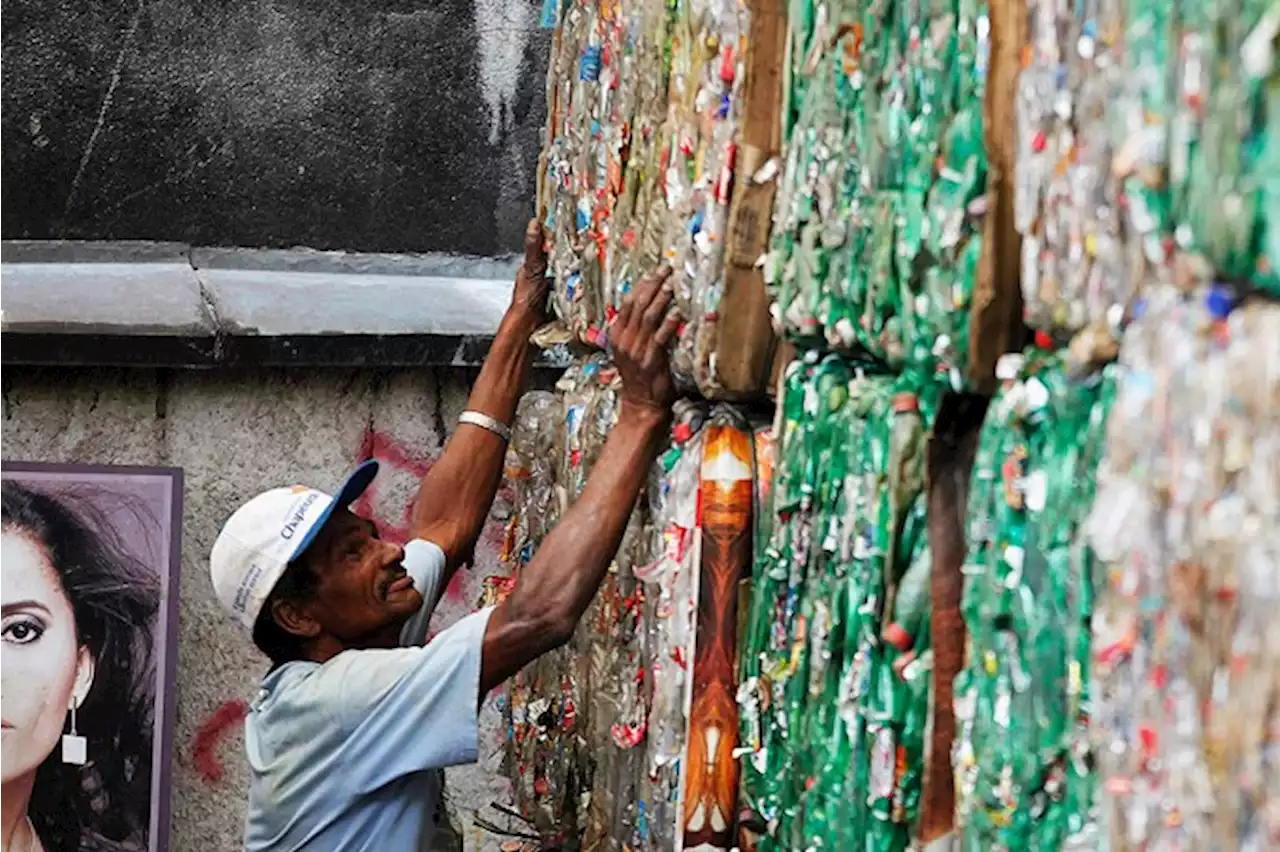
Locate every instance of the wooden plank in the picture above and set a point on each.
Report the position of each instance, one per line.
(995, 326)
(951, 451)
(745, 345)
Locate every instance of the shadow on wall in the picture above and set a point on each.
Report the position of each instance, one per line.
(367, 127)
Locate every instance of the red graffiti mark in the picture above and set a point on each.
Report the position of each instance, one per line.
(392, 453)
(455, 591)
(495, 531)
(204, 746)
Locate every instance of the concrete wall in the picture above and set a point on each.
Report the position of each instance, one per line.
(382, 125)
(236, 433)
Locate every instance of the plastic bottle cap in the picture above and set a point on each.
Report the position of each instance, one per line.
(1008, 367)
(905, 402)
(1219, 301)
(728, 70)
(1044, 341)
(682, 432)
(897, 636)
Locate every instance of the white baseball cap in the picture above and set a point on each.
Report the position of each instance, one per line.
(264, 535)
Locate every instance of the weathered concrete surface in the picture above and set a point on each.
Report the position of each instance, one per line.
(140, 298)
(379, 126)
(295, 303)
(234, 434)
(159, 305)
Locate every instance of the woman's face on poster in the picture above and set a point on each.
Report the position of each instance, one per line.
(45, 670)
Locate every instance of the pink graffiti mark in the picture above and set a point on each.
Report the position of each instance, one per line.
(204, 746)
(391, 453)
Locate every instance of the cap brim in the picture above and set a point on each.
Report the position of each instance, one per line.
(356, 483)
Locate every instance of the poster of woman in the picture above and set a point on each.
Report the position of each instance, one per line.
(88, 633)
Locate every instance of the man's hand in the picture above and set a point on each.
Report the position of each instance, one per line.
(641, 333)
(556, 587)
(532, 285)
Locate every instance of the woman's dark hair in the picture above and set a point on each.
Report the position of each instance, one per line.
(115, 597)
(297, 583)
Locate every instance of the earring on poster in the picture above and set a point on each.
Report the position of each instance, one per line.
(75, 748)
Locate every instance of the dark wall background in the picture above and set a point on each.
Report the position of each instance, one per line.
(377, 125)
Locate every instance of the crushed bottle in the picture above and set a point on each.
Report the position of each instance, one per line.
(877, 221)
(625, 738)
(644, 103)
(832, 715)
(1021, 754)
(1185, 646)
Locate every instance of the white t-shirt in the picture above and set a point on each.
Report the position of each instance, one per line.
(345, 755)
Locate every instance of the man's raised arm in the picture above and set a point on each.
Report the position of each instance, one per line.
(454, 497)
(555, 588)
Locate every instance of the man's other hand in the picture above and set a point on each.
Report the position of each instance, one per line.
(532, 284)
(641, 334)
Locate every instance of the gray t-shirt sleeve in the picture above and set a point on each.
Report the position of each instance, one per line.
(410, 709)
(425, 563)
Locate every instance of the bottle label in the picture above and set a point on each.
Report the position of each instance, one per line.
(883, 764)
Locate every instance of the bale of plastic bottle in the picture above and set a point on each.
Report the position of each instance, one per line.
(1187, 521)
(1022, 757)
(835, 662)
(644, 103)
(877, 221)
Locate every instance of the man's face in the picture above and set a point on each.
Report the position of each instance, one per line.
(363, 593)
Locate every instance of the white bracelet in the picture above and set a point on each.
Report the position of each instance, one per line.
(484, 421)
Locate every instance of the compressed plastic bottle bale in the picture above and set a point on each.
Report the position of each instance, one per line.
(588, 135)
(600, 732)
(670, 622)
(618, 692)
(553, 739)
(1195, 154)
(832, 716)
(1222, 150)
(1021, 753)
(877, 219)
(644, 101)
(1068, 206)
(1186, 647)
(708, 48)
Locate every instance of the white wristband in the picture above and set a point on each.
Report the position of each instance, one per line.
(484, 421)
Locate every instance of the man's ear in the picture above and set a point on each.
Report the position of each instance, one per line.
(295, 619)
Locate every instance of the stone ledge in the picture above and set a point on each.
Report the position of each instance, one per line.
(169, 305)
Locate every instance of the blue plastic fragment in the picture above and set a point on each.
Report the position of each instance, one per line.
(589, 65)
(1219, 300)
(550, 17)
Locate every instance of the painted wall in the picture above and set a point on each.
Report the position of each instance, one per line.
(236, 433)
(385, 125)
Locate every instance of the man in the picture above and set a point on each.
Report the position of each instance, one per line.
(356, 717)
